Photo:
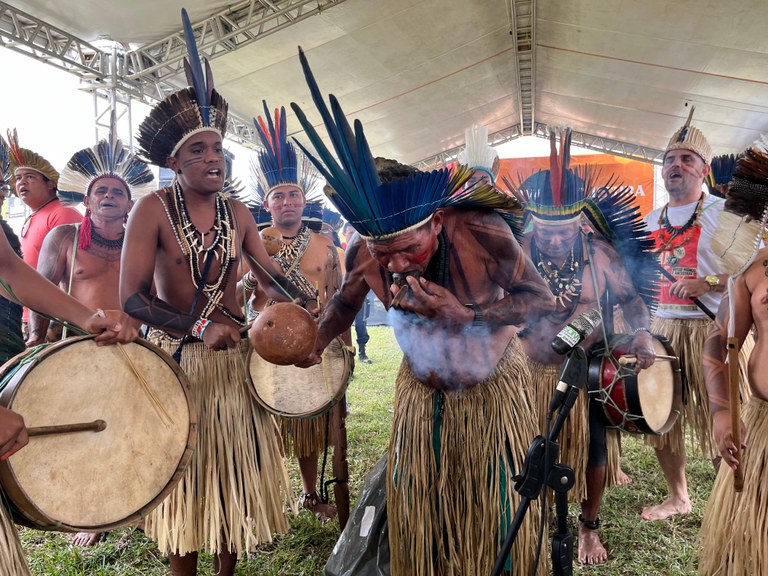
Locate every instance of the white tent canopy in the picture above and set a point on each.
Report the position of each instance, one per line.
(417, 73)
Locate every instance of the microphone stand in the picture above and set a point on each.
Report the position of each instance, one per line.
(540, 468)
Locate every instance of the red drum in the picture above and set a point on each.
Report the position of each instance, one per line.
(76, 477)
(645, 403)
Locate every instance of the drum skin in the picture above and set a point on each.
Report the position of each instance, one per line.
(293, 392)
(646, 403)
(96, 481)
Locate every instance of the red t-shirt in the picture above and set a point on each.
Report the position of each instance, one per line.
(36, 228)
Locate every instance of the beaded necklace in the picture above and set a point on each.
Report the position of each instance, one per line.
(106, 242)
(192, 243)
(675, 231)
(564, 281)
(289, 258)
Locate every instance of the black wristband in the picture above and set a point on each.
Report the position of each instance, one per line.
(478, 320)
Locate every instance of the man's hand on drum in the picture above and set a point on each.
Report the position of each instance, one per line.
(111, 326)
(13, 433)
(218, 336)
(430, 300)
(642, 348)
(314, 358)
(721, 429)
(689, 288)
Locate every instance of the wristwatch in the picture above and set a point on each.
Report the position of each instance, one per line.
(712, 280)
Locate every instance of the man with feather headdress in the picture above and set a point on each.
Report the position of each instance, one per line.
(179, 275)
(684, 232)
(283, 177)
(84, 259)
(35, 181)
(565, 206)
(447, 261)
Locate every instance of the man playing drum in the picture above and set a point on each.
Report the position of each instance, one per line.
(463, 415)
(188, 239)
(683, 231)
(733, 533)
(84, 259)
(18, 279)
(564, 252)
(283, 177)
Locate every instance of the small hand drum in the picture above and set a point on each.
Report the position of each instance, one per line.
(648, 402)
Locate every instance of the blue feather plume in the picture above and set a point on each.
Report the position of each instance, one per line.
(194, 70)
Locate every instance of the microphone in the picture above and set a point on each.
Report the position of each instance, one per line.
(571, 380)
(576, 331)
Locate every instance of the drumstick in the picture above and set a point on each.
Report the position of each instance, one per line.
(631, 358)
(162, 412)
(95, 426)
(734, 380)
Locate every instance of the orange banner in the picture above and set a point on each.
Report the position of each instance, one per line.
(637, 175)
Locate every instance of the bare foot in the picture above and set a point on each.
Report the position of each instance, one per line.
(670, 507)
(87, 539)
(591, 550)
(623, 479)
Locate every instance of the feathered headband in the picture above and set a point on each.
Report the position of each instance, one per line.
(333, 219)
(382, 210)
(477, 153)
(720, 173)
(183, 114)
(279, 162)
(109, 158)
(558, 193)
(690, 138)
(24, 158)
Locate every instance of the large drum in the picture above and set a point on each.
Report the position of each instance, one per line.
(98, 479)
(293, 392)
(647, 402)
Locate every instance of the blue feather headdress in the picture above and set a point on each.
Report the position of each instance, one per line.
(382, 210)
(109, 158)
(279, 162)
(184, 113)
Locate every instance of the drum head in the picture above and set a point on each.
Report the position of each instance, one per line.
(98, 480)
(656, 390)
(294, 392)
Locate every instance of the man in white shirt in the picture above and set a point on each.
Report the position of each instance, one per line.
(683, 230)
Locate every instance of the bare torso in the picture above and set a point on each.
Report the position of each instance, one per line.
(757, 284)
(443, 355)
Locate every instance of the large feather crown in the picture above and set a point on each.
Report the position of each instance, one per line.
(25, 158)
(279, 162)
(382, 210)
(186, 112)
(108, 158)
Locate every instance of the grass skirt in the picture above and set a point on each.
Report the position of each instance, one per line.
(234, 494)
(451, 459)
(12, 562)
(687, 338)
(305, 436)
(734, 537)
(574, 436)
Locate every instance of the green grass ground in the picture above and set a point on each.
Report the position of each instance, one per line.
(636, 548)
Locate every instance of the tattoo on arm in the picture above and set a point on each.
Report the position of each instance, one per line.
(158, 313)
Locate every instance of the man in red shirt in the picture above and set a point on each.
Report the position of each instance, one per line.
(35, 180)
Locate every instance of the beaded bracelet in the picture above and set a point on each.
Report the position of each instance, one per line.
(248, 282)
(641, 329)
(478, 320)
(199, 328)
